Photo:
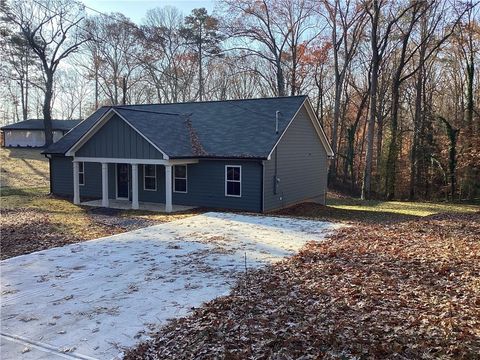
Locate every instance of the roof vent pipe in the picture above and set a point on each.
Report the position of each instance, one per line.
(276, 121)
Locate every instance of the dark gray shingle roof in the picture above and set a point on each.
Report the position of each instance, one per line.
(230, 129)
(37, 124)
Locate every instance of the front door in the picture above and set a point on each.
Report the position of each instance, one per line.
(123, 180)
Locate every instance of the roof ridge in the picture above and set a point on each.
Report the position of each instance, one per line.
(147, 111)
(216, 101)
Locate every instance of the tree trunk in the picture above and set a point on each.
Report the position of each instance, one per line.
(280, 79)
(367, 176)
(390, 175)
(47, 109)
(200, 71)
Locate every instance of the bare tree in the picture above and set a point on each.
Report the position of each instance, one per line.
(50, 29)
(347, 21)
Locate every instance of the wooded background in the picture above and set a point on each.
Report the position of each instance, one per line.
(394, 83)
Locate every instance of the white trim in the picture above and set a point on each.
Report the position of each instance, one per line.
(154, 176)
(135, 204)
(116, 184)
(105, 185)
(239, 181)
(168, 188)
(185, 178)
(81, 172)
(316, 125)
(136, 161)
(99, 124)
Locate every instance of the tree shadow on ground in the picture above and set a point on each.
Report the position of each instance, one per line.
(353, 216)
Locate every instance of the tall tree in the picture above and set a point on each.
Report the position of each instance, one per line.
(201, 31)
(379, 40)
(115, 53)
(347, 20)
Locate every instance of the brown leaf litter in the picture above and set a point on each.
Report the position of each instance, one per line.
(406, 290)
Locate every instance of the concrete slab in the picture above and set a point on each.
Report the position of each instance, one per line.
(93, 299)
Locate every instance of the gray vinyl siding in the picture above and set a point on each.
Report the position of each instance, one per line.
(61, 172)
(206, 186)
(117, 139)
(301, 166)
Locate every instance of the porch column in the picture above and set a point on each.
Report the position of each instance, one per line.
(104, 184)
(76, 184)
(168, 188)
(135, 186)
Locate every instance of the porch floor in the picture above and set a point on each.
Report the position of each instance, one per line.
(127, 205)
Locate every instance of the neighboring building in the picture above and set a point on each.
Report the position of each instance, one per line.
(253, 155)
(31, 133)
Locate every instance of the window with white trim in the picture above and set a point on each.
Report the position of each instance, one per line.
(81, 173)
(180, 178)
(233, 180)
(150, 177)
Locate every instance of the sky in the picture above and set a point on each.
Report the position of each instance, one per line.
(136, 9)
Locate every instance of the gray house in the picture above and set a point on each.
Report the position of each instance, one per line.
(254, 155)
(31, 132)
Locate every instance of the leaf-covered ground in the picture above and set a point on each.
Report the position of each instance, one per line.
(409, 289)
(34, 222)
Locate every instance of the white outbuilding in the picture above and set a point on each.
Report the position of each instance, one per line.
(31, 133)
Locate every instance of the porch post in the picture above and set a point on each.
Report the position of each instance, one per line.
(168, 188)
(104, 184)
(76, 184)
(135, 186)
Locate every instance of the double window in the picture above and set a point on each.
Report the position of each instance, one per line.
(150, 177)
(180, 178)
(233, 180)
(81, 173)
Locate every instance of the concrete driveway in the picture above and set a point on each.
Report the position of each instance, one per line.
(90, 300)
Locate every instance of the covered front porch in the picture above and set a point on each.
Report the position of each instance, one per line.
(126, 205)
(126, 192)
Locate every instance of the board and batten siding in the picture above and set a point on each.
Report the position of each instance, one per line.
(117, 139)
(301, 166)
(61, 173)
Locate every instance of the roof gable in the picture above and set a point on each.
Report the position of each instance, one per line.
(316, 124)
(117, 139)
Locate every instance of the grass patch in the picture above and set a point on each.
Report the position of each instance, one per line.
(23, 168)
(352, 210)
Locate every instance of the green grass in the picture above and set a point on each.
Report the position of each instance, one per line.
(354, 211)
(23, 169)
(401, 207)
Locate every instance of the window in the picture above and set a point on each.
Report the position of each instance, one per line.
(150, 177)
(233, 180)
(81, 174)
(180, 178)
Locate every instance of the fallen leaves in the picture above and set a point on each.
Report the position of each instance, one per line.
(400, 290)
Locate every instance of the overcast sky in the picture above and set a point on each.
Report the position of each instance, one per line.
(136, 9)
